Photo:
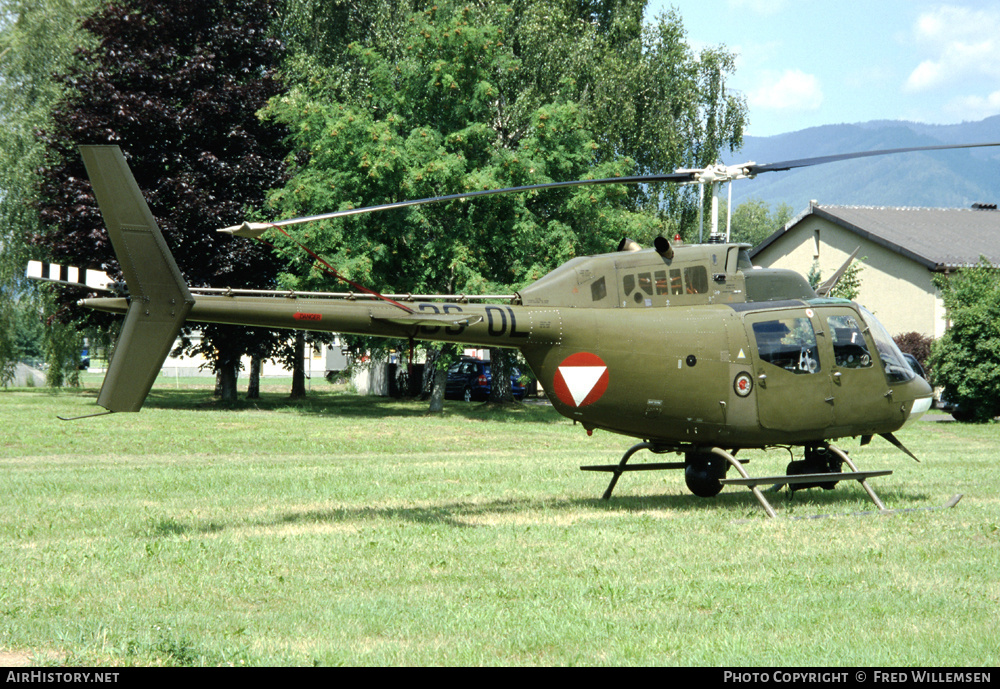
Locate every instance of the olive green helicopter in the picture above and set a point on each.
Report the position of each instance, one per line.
(688, 348)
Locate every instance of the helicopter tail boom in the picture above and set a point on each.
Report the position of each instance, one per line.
(159, 300)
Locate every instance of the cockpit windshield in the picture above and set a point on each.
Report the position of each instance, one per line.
(897, 370)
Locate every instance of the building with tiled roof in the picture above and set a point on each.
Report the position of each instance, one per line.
(902, 248)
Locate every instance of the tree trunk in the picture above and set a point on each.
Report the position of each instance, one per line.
(299, 366)
(253, 387)
(227, 369)
(437, 392)
(500, 389)
(227, 374)
(436, 374)
(429, 378)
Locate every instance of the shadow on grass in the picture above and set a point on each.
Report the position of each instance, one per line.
(351, 406)
(739, 504)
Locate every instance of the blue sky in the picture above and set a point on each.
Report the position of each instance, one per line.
(805, 63)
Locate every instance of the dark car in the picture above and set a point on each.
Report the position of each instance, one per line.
(915, 365)
(469, 379)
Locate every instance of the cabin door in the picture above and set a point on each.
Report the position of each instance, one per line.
(859, 385)
(791, 373)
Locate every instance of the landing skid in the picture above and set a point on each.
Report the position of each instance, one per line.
(947, 506)
(754, 483)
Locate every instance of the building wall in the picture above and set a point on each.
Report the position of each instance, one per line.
(318, 359)
(896, 289)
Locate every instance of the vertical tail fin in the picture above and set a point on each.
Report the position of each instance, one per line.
(159, 298)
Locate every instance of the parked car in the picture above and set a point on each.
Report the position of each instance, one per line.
(915, 365)
(964, 411)
(470, 379)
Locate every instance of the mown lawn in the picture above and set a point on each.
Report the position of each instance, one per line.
(362, 531)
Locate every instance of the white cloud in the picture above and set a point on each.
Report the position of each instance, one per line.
(960, 43)
(792, 89)
(972, 108)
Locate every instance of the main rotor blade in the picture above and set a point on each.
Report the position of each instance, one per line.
(718, 174)
(248, 229)
(820, 160)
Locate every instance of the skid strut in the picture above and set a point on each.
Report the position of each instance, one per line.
(753, 487)
(753, 483)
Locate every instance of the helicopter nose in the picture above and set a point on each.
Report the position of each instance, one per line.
(923, 398)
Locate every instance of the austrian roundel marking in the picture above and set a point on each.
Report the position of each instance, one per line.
(580, 379)
(743, 384)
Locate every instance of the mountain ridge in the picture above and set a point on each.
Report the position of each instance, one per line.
(939, 179)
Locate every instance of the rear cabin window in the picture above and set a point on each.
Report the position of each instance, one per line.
(788, 343)
(694, 280)
(662, 286)
(676, 285)
(598, 289)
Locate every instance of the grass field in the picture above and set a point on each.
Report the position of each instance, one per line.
(361, 531)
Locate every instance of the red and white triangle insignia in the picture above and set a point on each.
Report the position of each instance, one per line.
(581, 379)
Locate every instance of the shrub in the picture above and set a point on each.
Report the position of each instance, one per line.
(916, 344)
(966, 360)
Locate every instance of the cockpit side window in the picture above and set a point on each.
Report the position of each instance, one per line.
(788, 343)
(895, 366)
(850, 349)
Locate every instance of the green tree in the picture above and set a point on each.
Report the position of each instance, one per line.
(849, 284)
(428, 124)
(753, 221)
(966, 360)
(178, 86)
(643, 94)
(458, 98)
(37, 40)
(64, 344)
